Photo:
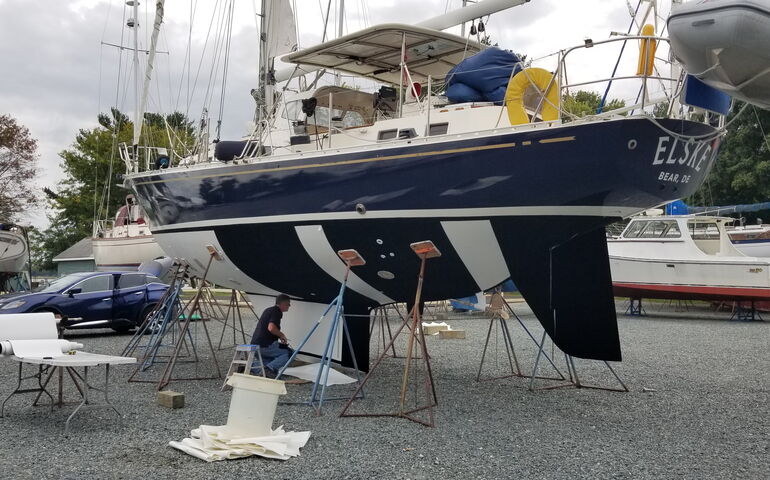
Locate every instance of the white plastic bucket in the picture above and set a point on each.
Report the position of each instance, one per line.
(252, 406)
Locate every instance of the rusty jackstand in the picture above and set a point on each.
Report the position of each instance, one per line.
(424, 250)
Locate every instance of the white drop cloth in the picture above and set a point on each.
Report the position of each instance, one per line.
(213, 443)
(310, 371)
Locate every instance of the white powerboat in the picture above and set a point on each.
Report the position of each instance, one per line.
(684, 257)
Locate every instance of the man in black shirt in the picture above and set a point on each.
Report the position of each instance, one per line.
(269, 337)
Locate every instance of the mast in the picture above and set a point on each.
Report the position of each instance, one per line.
(468, 13)
(338, 76)
(264, 67)
(148, 71)
(134, 24)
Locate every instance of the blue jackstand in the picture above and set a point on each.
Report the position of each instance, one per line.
(635, 308)
(351, 259)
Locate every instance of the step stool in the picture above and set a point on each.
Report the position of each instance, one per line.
(244, 355)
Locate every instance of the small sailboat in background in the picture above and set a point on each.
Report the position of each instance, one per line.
(125, 242)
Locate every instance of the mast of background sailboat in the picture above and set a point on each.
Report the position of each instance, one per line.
(264, 68)
(338, 76)
(148, 70)
(137, 120)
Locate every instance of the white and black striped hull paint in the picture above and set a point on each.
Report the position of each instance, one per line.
(477, 254)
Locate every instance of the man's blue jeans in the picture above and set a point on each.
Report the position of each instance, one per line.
(273, 357)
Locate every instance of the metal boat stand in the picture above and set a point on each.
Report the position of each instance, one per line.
(194, 307)
(635, 308)
(574, 379)
(172, 320)
(161, 330)
(380, 322)
(425, 250)
(510, 312)
(743, 314)
(233, 312)
(499, 316)
(317, 397)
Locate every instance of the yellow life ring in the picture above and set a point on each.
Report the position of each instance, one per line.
(514, 95)
(647, 49)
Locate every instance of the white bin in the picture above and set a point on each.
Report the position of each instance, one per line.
(252, 406)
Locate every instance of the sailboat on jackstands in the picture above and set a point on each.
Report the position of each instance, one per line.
(126, 241)
(508, 188)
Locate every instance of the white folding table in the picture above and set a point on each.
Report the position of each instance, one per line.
(69, 363)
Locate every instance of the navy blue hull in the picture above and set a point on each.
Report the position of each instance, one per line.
(607, 164)
(539, 200)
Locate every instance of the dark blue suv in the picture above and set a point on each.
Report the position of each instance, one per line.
(119, 300)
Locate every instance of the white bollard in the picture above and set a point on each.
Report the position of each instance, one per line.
(252, 406)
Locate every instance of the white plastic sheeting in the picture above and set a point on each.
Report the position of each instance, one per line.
(310, 372)
(32, 335)
(28, 326)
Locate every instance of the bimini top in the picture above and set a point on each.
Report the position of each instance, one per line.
(375, 52)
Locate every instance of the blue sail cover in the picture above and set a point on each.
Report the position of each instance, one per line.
(482, 77)
(678, 207)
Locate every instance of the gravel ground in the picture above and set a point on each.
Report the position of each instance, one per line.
(708, 416)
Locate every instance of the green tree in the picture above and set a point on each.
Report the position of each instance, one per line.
(585, 102)
(742, 170)
(18, 165)
(91, 188)
(46, 244)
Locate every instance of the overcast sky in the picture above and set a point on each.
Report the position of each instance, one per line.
(57, 75)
